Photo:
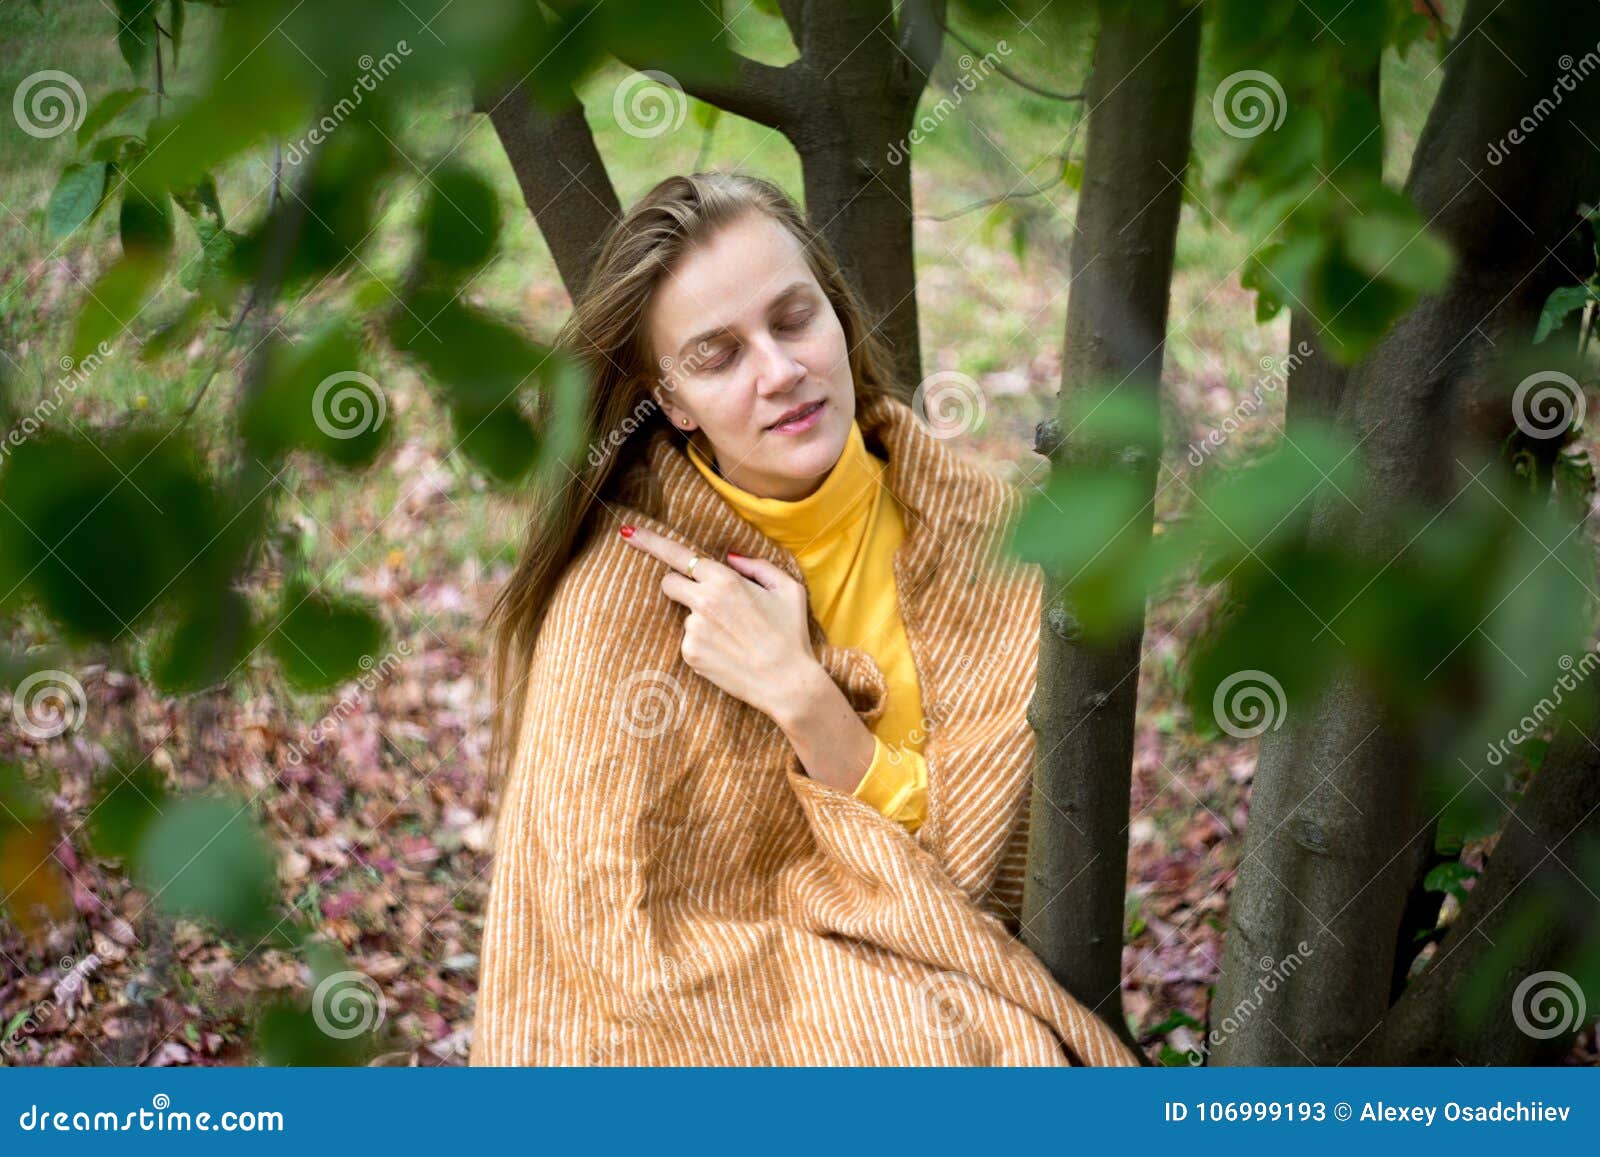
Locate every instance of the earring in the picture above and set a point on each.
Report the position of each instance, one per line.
(685, 422)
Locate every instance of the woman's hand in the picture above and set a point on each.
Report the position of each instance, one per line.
(746, 630)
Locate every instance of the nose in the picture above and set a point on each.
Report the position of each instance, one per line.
(779, 371)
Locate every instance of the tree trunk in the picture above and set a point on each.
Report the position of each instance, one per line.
(1529, 913)
(846, 106)
(564, 182)
(1315, 382)
(864, 73)
(1335, 832)
(1141, 105)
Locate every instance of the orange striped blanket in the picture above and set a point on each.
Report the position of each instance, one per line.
(670, 888)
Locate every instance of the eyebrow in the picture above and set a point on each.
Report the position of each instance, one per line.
(707, 335)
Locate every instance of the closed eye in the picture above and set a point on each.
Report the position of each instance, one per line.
(725, 357)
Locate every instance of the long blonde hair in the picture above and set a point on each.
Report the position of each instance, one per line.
(605, 335)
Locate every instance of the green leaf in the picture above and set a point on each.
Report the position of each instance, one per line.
(1171, 1058)
(562, 419)
(200, 199)
(315, 397)
(146, 222)
(1282, 273)
(175, 27)
(1450, 877)
(1399, 249)
(210, 272)
(209, 645)
(1559, 304)
(106, 110)
(289, 1032)
(705, 114)
(124, 811)
(479, 360)
(461, 221)
(136, 33)
(20, 801)
(116, 301)
(1177, 1018)
(108, 530)
(77, 194)
(321, 641)
(206, 856)
(497, 438)
(118, 148)
(1239, 512)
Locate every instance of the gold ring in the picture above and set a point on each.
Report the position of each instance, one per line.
(689, 570)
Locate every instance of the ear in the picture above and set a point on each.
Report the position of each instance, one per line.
(675, 413)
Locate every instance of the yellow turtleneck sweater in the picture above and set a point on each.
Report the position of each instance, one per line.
(844, 535)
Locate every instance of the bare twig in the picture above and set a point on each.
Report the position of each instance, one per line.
(1013, 77)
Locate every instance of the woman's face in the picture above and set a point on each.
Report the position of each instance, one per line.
(743, 338)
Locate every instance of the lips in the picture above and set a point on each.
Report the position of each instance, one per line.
(797, 412)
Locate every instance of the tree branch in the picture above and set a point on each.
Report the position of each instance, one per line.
(1014, 78)
(920, 39)
(794, 15)
(765, 93)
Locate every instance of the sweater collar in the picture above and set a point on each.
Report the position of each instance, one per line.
(947, 504)
(842, 502)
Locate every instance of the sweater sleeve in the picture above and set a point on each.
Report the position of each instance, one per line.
(896, 785)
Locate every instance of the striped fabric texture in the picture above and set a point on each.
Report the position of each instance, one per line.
(670, 888)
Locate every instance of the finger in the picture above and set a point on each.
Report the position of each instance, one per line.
(673, 553)
(682, 590)
(758, 570)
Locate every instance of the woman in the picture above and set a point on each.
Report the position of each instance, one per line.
(762, 676)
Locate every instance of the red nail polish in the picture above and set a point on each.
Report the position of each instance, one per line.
(626, 531)
(732, 554)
